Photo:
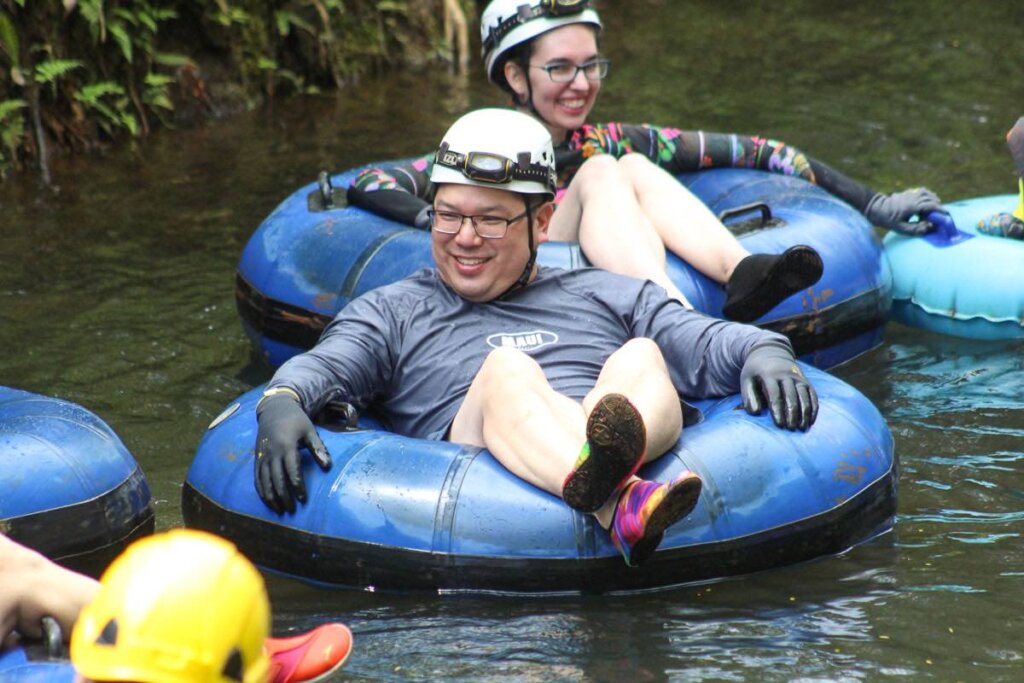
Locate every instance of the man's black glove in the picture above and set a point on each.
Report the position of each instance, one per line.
(283, 427)
(894, 211)
(771, 376)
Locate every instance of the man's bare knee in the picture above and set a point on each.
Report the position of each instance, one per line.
(639, 352)
(506, 363)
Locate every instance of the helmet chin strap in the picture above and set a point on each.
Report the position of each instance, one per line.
(531, 107)
(524, 278)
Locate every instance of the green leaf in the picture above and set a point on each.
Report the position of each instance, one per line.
(157, 98)
(238, 15)
(106, 112)
(9, 40)
(92, 10)
(171, 59)
(147, 20)
(90, 94)
(285, 20)
(127, 15)
(8, 106)
(153, 80)
(52, 69)
(124, 41)
(266, 64)
(163, 14)
(129, 121)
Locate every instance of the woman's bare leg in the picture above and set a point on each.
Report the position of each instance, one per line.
(601, 212)
(684, 223)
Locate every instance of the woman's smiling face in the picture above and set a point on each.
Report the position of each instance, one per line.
(562, 106)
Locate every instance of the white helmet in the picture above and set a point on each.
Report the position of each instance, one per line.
(507, 23)
(497, 148)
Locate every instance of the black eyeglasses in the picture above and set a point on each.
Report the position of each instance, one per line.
(487, 227)
(565, 72)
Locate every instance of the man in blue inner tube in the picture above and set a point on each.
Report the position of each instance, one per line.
(571, 379)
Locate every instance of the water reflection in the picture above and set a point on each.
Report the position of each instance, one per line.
(723, 631)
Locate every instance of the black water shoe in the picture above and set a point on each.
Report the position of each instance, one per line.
(614, 451)
(760, 282)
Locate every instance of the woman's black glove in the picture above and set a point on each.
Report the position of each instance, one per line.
(894, 211)
(283, 427)
(771, 376)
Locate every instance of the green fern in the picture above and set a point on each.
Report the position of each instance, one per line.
(92, 12)
(12, 133)
(8, 106)
(155, 94)
(108, 99)
(91, 94)
(123, 40)
(50, 70)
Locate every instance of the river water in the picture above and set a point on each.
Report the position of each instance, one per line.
(116, 293)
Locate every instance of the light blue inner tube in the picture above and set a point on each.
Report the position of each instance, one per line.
(973, 288)
(402, 514)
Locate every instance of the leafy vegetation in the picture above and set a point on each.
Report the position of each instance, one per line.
(76, 74)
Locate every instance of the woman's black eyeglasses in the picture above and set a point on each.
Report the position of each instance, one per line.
(565, 72)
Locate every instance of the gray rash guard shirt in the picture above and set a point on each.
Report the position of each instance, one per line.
(411, 349)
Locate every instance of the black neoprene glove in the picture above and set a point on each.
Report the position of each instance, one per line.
(771, 377)
(283, 427)
(894, 211)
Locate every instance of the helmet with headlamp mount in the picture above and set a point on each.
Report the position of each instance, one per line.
(508, 23)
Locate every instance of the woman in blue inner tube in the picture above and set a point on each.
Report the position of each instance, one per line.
(545, 54)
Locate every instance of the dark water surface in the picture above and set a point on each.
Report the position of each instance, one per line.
(116, 293)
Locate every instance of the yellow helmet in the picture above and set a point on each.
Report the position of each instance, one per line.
(180, 607)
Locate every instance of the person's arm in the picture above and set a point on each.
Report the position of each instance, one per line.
(683, 151)
(892, 211)
(33, 587)
(679, 151)
(349, 363)
(400, 192)
(710, 357)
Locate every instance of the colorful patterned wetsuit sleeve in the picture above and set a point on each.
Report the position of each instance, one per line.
(679, 151)
(398, 192)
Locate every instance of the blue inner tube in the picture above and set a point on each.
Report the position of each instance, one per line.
(305, 262)
(972, 288)
(71, 490)
(403, 514)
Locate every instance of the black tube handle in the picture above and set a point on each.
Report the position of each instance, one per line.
(764, 209)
